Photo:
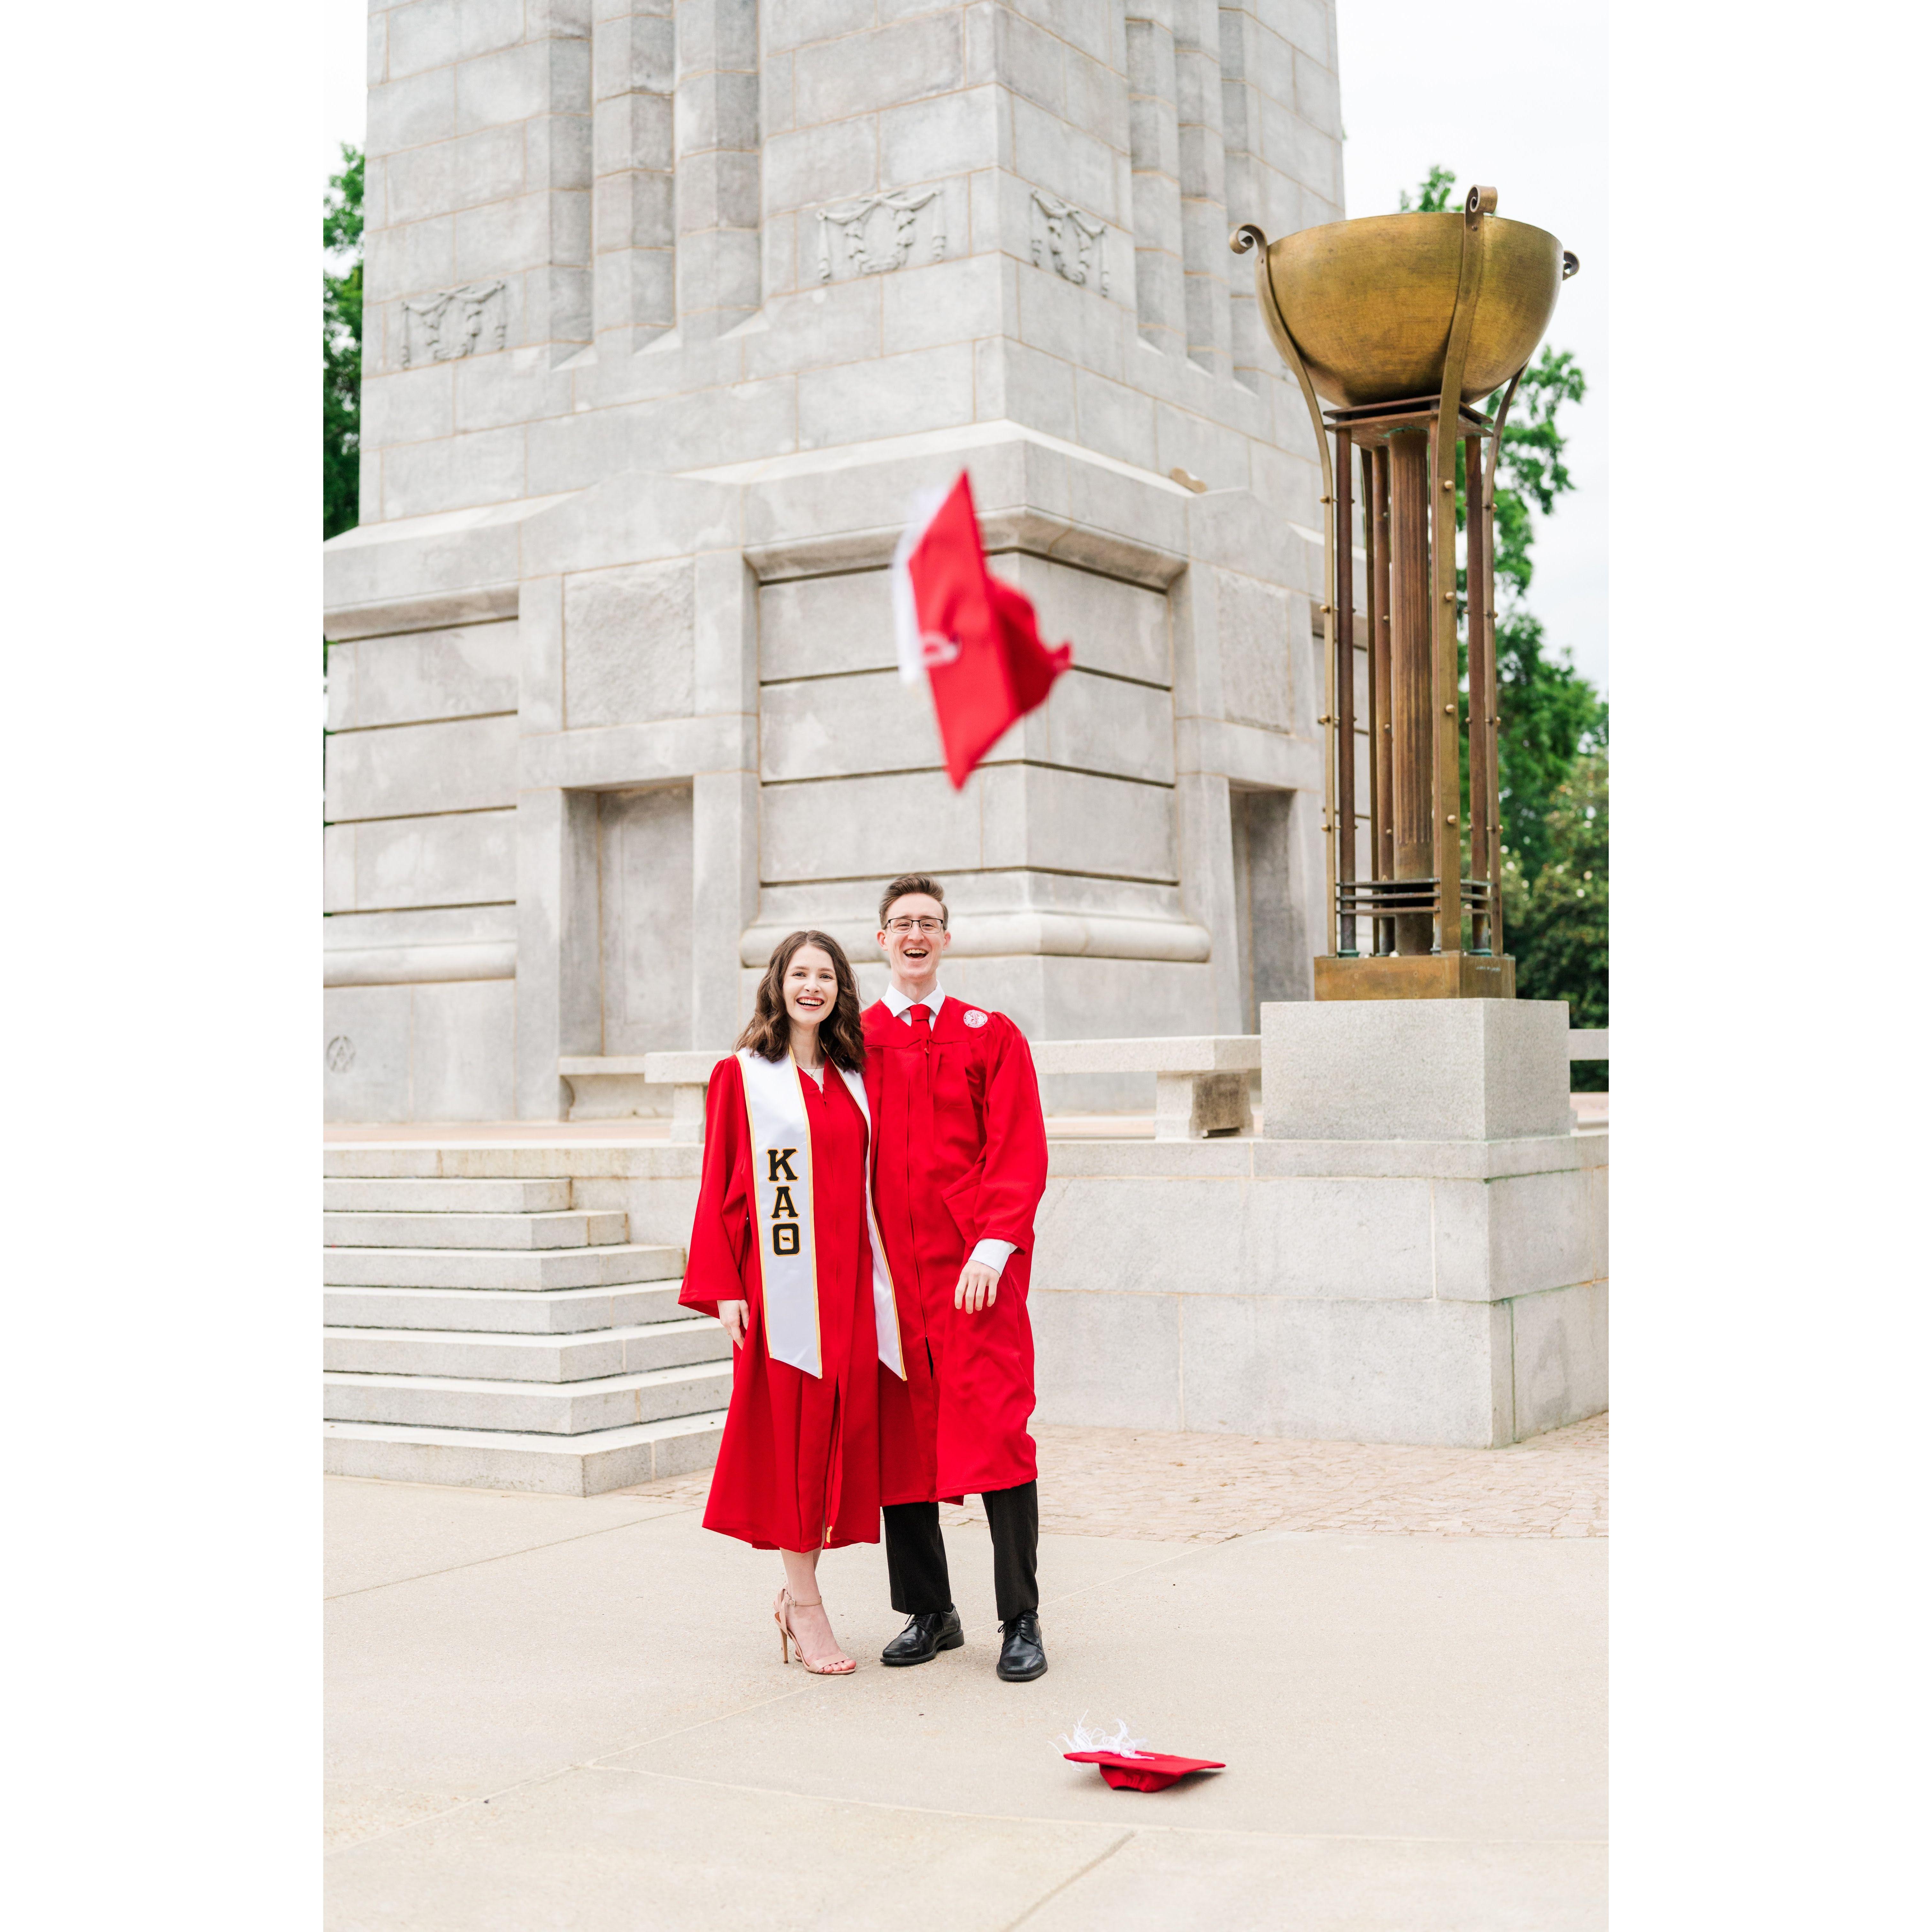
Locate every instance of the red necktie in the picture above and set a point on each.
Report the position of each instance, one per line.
(920, 1098)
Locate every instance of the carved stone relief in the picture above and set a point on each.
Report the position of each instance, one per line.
(875, 236)
(469, 321)
(1075, 242)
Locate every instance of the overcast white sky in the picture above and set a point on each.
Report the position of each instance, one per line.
(345, 53)
(1510, 93)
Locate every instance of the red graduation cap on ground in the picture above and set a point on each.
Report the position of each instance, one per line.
(973, 639)
(1124, 1764)
(1143, 1770)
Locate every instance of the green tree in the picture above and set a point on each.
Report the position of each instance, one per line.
(1431, 198)
(1550, 712)
(1557, 921)
(342, 347)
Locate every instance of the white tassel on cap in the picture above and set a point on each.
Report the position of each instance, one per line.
(926, 504)
(1082, 1739)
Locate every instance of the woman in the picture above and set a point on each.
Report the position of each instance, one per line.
(783, 1253)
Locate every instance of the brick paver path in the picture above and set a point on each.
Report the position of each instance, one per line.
(1167, 1488)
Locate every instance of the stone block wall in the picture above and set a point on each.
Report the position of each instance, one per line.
(1397, 1291)
(672, 308)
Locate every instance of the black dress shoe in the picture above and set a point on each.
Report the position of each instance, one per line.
(1021, 1655)
(924, 1637)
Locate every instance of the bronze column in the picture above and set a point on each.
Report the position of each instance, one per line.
(1446, 816)
(1411, 643)
(1477, 525)
(1382, 799)
(1344, 689)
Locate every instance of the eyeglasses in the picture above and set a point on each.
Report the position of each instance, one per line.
(926, 925)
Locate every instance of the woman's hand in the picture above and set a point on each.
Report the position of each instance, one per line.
(732, 1314)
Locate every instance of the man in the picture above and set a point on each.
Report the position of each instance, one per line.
(959, 1166)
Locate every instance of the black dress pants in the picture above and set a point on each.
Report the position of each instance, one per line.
(916, 1554)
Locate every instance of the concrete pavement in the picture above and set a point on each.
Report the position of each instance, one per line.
(554, 1712)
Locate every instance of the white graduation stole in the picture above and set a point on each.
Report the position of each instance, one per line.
(782, 1203)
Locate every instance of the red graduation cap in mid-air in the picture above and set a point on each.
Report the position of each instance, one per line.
(973, 639)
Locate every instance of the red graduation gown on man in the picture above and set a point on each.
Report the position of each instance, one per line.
(960, 1158)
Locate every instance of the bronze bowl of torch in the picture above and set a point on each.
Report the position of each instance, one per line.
(1370, 302)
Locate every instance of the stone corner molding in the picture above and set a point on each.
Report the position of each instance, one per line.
(428, 610)
(455, 321)
(1024, 934)
(868, 246)
(408, 965)
(1075, 240)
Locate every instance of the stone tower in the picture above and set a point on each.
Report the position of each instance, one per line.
(671, 308)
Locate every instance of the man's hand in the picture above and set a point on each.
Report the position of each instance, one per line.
(978, 1288)
(732, 1314)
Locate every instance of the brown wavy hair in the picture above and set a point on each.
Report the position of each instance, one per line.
(842, 1033)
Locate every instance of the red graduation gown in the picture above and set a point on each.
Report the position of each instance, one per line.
(798, 1464)
(960, 1156)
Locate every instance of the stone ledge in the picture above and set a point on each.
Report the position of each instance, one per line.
(1200, 1080)
(418, 965)
(590, 757)
(493, 1460)
(1242, 1159)
(497, 1355)
(620, 1264)
(524, 1230)
(557, 1313)
(436, 610)
(536, 1158)
(1258, 1159)
(1029, 533)
(820, 512)
(1051, 934)
(426, 572)
(1198, 1053)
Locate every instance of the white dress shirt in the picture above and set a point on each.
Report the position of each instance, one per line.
(989, 1253)
(899, 1004)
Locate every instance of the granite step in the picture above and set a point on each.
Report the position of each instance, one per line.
(545, 1408)
(573, 1228)
(526, 1358)
(580, 1465)
(557, 1311)
(621, 1265)
(394, 1196)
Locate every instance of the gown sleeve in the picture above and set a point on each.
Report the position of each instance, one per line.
(720, 1231)
(1012, 1171)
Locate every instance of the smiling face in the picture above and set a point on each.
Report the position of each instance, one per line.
(810, 986)
(915, 939)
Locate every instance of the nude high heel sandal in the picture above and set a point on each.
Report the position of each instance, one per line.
(788, 1638)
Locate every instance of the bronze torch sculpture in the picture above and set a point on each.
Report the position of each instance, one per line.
(1403, 323)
